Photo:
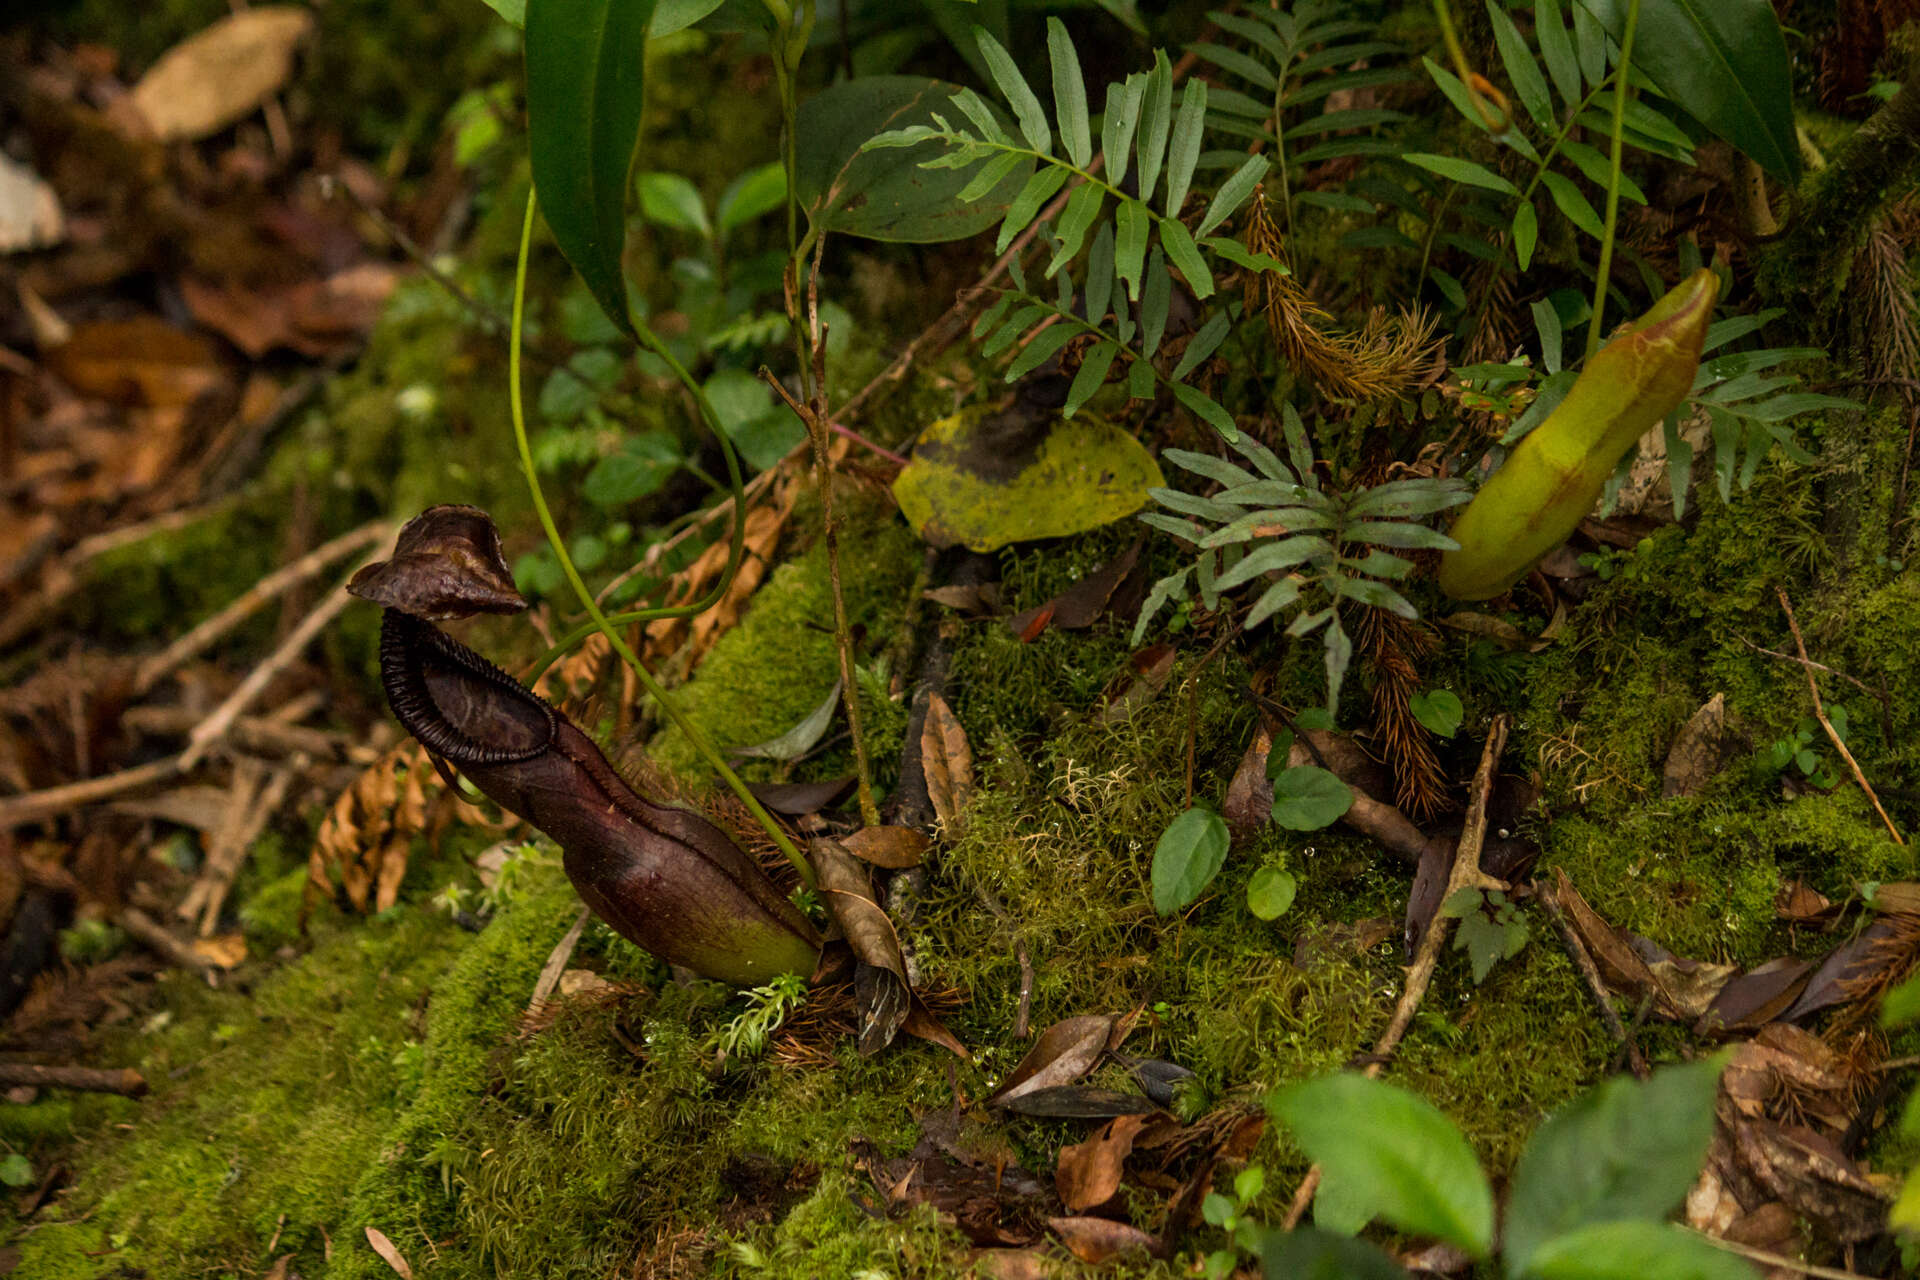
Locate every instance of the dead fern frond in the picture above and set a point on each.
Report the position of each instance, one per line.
(1389, 355)
(1885, 325)
(1392, 646)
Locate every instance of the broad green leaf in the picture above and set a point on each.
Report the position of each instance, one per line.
(754, 194)
(677, 15)
(969, 484)
(1438, 711)
(1037, 190)
(669, 200)
(1307, 798)
(1151, 142)
(1233, 193)
(1132, 224)
(1269, 893)
(1556, 50)
(1091, 376)
(1069, 94)
(1622, 1150)
(1528, 83)
(1573, 204)
(586, 61)
(640, 466)
(1396, 1150)
(1310, 1253)
(1642, 1250)
(1185, 149)
(1725, 63)
(1476, 175)
(1184, 254)
(1013, 86)
(1116, 129)
(1526, 232)
(1186, 859)
(16, 1170)
(884, 193)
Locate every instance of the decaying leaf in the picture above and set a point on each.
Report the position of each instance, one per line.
(803, 737)
(798, 799)
(1696, 753)
(1249, 801)
(1079, 1102)
(1148, 671)
(1798, 903)
(947, 760)
(1082, 604)
(895, 848)
(210, 80)
(985, 478)
(365, 836)
(226, 950)
(1098, 1240)
(1064, 1052)
(30, 216)
(388, 1254)
(764, 525)
(985, 1193)
(140, 361)
(1089, 1171)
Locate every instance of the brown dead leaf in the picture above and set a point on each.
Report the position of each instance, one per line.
(30, 216)
(1082, 604)
(226, 949)
(880, 975)
(210, 80)
(1064, 1052)
(1814, 1178)
(1696, 752)
(969, 599)
(1750, 999)
(138, 361)
(390, 1255)
(798, 799)
(895, 848)
(1098, 1240)
(1079, 1102)
(764, 525)
(1249, 800)
(947, 761)
(1798, 903)
(1147, 674)
(1089, 1171)
(1901, 897)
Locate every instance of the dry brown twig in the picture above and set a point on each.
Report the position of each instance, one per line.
(1590, 975)
(1465, 874)
(121, 1080)
(1820, 714)
(557, 963)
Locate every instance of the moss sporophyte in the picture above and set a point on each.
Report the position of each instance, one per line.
(666, 879)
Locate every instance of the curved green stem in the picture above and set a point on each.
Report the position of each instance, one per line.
(1595, 329)
(600, 620)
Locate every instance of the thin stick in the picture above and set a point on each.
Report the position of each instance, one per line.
(33, 806)
(1464, 874)
(215, 727)
(160, 939)
(557, 962)
(1775, 1259)
(1590, 974)
(124, 1080)
(1022, 1014)
(263, 734)
(251, 601)
(1820, 714)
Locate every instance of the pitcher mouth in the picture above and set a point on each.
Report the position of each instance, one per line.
(415, 654)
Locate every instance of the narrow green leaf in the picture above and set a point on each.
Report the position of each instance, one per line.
(1040, 350)
(1069, 94)
(1449, 286)
(1118, 125)
(1157, 295)
(1091, 376)
(976, 110)
(1397, 1152)
(1018, 323)
(1299, 451)
(1083, 206)
(1202, 406)
(752, 195)
(1248, 68)
(1099, 290)
(586, 86)
(1236, 253)
(1185, 150)
(1013, 86)
(1151, 143)
(1725, 62)
(1679, 464)
(1556, 50)
(1140, 383)
(991, 316)
(1378, 595)
(1186, 858)
(669, 200)
(1131, 224)
(1475, 175)
(1274, 557)
(1526, 232)
(1258, 34)
(1573, 204)
(1039, 189)
(1271, 601)
(991, 174)
(1205, 464)
(1546, 321)
(1528, 83)
(1202, 345)
(1597, 170)
(1347, 118)
(1233, 193)
(1589, 43)
(1184, 254)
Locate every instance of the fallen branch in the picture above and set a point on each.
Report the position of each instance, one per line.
(124, 1080)
(34, 806)
(1590, 975)
(160, 940)
(1820, 714)
(1465, 874)
(1780, 1260)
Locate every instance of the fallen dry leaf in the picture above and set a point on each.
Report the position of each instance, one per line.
(210, 80)
(1064, 1052)
(30, 216)
(895, 848)
(798, 799)
(1147, 674)
(1798, 903)
(764, 525)
(1082, 604)
(1098, 1240)
(1089, 1171)
(947, 761)
(138, 361)
(384, 1247)
(226, 949)
(1249, 800)
(1014, 1264)
(1695, 755)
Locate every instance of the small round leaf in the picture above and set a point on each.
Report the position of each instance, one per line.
(1438, 711)
(1307, 798)
(1270, 893)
